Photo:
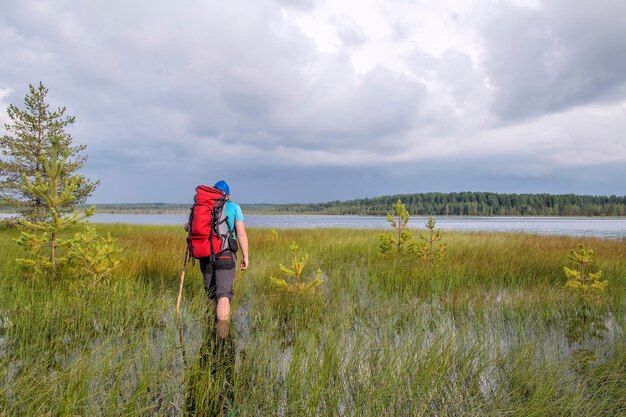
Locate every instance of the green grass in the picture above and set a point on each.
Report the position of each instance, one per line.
(489, 330)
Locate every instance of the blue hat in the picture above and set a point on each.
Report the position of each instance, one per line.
(222, 186)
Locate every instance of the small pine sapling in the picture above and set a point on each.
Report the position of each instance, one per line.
(54, 191)
(272, 235)
(431, 246)
(399, 240)
(587, 284)
(92, 256)
(589, 321)
(46, 251)
(295, 282)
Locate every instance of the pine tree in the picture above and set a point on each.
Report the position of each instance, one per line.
(92, 256)
(588, 284)
(430, 246)
(397, 241)
(86, 255)
(54, 189)
(30, 134)
(295, 282)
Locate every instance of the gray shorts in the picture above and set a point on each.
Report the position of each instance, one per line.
(219, 276)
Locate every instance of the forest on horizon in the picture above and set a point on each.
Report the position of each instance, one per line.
(470, 204)
(436, 204)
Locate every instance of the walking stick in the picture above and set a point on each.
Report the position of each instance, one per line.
(182, 279)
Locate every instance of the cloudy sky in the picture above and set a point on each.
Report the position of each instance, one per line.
(316, 100)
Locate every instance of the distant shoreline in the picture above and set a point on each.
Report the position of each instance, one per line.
(472, 204)
(6, 214)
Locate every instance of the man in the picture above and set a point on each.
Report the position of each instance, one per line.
(219, 276)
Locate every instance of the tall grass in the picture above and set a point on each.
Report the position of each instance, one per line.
(485, 331)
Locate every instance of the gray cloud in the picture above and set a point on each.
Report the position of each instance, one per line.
(563, 54)
(167, 97)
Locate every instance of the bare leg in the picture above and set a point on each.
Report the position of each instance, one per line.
(223, 309)
(223, 315)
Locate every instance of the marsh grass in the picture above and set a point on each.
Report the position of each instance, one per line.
(484, 331)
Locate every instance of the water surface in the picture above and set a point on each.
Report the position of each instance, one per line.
(606, 227)
(570, 226)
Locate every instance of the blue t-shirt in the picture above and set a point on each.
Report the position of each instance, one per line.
(234, 214)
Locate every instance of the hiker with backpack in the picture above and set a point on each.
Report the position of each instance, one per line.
(216, 231)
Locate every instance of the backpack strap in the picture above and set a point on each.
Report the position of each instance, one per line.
(233, 246)
(213, 229)
(212, 257)
(189, 223)
(189, 245)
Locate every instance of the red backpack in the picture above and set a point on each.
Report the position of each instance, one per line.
(209, 231)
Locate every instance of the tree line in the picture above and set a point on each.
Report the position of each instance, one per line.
(470, 204)
(425, 204)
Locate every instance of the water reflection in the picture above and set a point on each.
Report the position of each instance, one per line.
(210, 388)
(586, 325)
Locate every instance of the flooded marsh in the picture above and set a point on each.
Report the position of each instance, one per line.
(487, 330)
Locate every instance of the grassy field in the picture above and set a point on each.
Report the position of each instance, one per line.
(489, 330)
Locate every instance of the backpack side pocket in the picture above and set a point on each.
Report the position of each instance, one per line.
(225, 260)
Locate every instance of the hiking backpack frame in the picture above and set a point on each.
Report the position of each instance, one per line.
(209, 230)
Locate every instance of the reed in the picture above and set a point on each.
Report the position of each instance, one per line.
(483, 331)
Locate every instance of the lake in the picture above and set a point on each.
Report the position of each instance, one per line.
(614, 228)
